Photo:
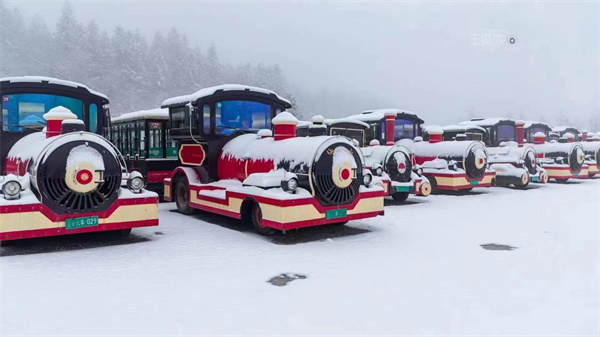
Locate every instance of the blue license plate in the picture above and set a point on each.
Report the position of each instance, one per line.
(474, 182)
(402, 188)
(335, 213)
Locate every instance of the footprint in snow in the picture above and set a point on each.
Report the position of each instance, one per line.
(283, 279)
(495, 246)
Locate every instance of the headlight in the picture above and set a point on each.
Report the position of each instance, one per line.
(289, 185)
(136, 182)
(452, 165)
(418, 170)
(11, 189)
(367, 178)
(379, 171)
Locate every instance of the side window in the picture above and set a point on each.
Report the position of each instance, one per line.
(172, 148)
(155, 140)
(180, 118)
(382, 126)
(124, 142)
(142, 135)
(205, 119)
(93, 118)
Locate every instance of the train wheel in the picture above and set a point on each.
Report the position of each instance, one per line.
(252, 216)
(433, 183)
(524, 182)
(182, 196)
(400, 196)
(561, 181)
(122, 233)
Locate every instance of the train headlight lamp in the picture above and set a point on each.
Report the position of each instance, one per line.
(11, 190)
(378, 170)
(289, 185)
(136, 182)
(452, 165)
(367, 179)
(418, 170)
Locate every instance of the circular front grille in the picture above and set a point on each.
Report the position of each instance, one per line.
(71, 190)
(476, 162)
(398, 166)
(337, 175)
(530, 164)
(576, 158)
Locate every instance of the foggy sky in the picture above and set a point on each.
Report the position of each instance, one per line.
(445, 61)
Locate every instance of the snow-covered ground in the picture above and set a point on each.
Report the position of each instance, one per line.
(421, 269)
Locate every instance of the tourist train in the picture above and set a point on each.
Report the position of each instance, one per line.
(58, 175)
(392, 163)
(240, 157)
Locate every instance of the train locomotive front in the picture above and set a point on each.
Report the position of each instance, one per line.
(65, 180)
(562, 161)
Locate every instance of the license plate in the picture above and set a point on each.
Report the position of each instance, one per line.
(575, 174)
(402, 188)
(474, 182)
(535, 179)
(335, 213)
(75, 223)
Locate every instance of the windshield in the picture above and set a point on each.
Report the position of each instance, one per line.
(506, 133)
(21, 111)
(241, 115)
(404, 129)
(358, 135)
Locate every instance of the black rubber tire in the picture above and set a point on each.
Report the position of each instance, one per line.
(591, 175)
(465, 190)
(123, 233)
(561, 181)
(182, 196)
(522, 187)
(255, 218)
(432, 182)
(400, 196)
(5, 243)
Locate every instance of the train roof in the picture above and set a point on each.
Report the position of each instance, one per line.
(460, 128)
(529, 124)
(333, 121)
(487, 121)
(563, 128)
(157, 113)
(205, 92)
(378, 114)
(51, 80)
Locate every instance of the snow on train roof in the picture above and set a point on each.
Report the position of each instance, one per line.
(459, 128)
(211, 90)
(528, 124)
(377, 114)
(51, 80)
(485, 121)
(332, 121)
(562, 128)
(157, 113)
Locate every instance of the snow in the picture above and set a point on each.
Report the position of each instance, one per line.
(268, 179)
(485, 121)
(318, 119)
(334, 121)
(305, 148)
(211, 90)
(567, 135)
(374, 142)
(84, 154)
(376, 115)
(206, 274)
(341, 157)
(561, 128)
(51, 80)
(437, 163)
(264, 133)
(459, 128)
(73, 121)
(434, 129)
(528, 124)
(59, 112)
(285, 117)
(445, 148)
(539, 134)
(159, 113)
(219, 194)
(29, 146)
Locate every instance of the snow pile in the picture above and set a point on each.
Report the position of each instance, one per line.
(264, 133)
(162, 114)
(374, 142)
(269, 179)
(73, 122)
(342, 157)
(346, 120)
(434, 129)
(285, 117)
(84, 154)
(59, 112)
(539, 134)
(376, 115)
(439, 164)
(485, 121)
(445, 148)
(318, 119)
(461, 128)
(211, 90)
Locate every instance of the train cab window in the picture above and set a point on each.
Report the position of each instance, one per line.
(357, 135)
(241, 115)
(25, 111)
(124, 141)
(172, 148)
(141, 128)
(382, 126)
(155, 140)
(404, 129)
(115, 137)
(180, 118)
(506, 133)
(133, 144)
(206, 119)
(93, 118)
